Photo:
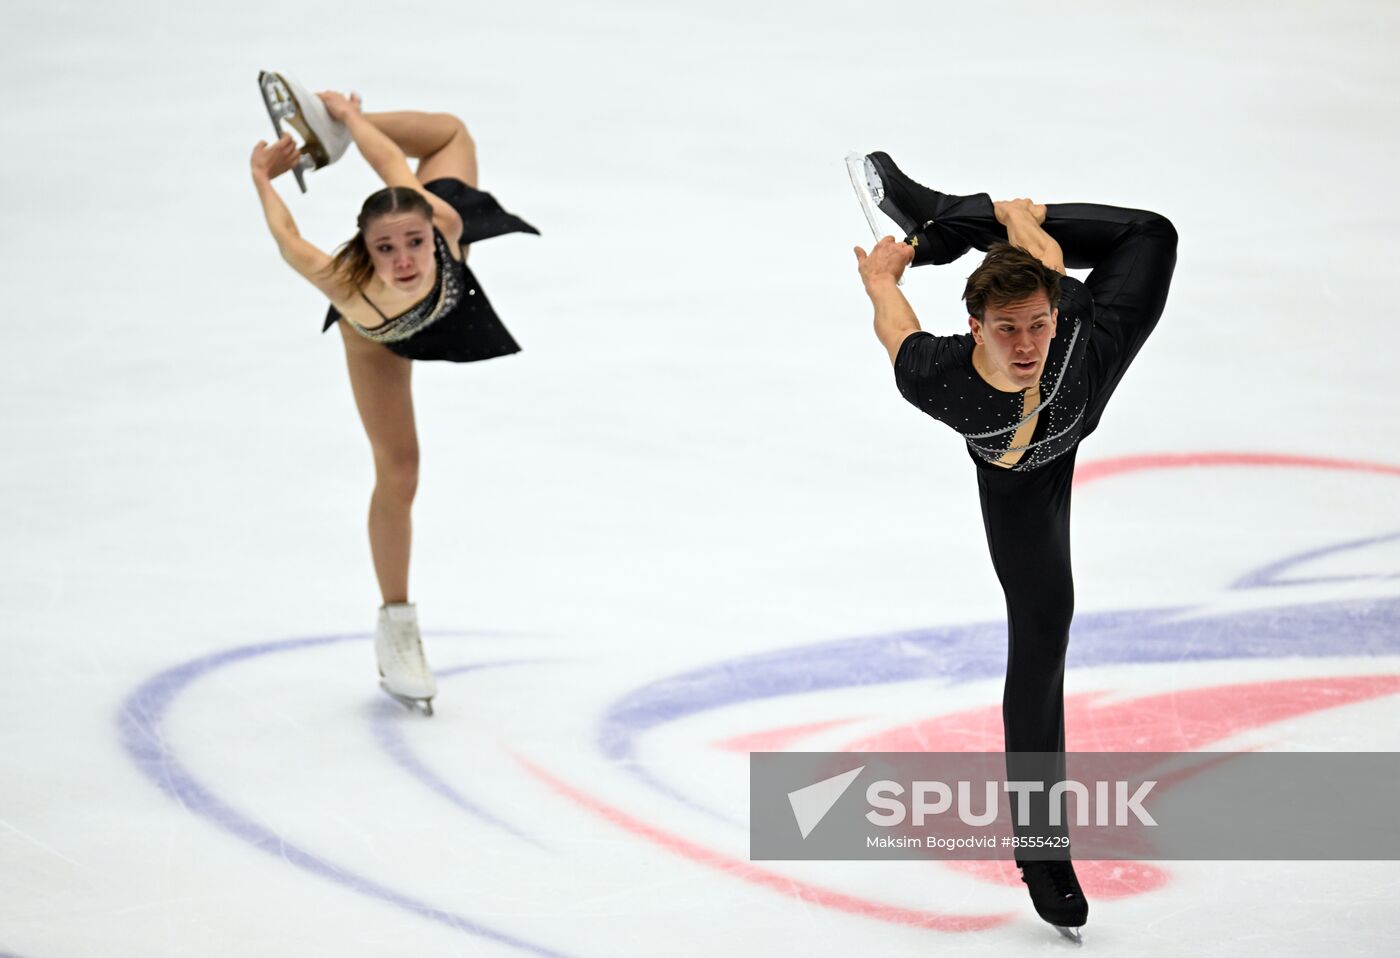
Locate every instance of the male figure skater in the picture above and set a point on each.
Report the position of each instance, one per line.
(1023, 387)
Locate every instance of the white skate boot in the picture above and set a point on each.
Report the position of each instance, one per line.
(324, 140)
(403, 669)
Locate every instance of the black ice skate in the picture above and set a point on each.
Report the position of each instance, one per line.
(323, 140)
(1057, 897)
(932, 222)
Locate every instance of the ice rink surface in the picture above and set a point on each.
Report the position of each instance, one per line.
(694, 512)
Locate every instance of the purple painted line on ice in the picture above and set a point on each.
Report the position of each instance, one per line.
(962, 653)
(388, 731)
(140, 724)
(1269, 575)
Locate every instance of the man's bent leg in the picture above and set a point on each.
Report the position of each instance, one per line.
(1132, 252)
(1132, 255)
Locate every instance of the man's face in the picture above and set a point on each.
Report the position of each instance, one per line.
(1015, 339)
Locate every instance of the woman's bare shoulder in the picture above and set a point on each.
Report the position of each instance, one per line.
(357, 309)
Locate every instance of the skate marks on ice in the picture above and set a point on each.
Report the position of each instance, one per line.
(141, 726)
(1355, 630)
(143, 736)
(798, 677)
(389, 735)
(960, 655)
(965, 653)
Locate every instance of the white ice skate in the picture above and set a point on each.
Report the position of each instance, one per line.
(323, 140)
(865, 179)
(403, 669)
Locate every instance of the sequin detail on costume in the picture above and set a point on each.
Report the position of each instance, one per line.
(936, 375)
(1037, 452)
(444, 297)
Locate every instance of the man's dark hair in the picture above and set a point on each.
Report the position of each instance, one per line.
(1007, 274)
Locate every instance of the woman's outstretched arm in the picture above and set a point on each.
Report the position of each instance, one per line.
(268, 163)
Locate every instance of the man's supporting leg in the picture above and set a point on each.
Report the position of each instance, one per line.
(1027, 519)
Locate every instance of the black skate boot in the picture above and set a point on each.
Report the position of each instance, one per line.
(941, 227)
(1056, 894)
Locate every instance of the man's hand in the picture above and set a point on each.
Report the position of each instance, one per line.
(885, 263)
(880, 270)
(1023, 221)
(1006, 210)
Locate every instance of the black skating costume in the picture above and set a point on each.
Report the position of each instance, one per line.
(455, 321)
(1102, 324)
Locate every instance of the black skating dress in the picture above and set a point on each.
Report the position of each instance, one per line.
(455, 321)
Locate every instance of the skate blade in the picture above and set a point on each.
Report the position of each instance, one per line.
(278, 100)
(860, 172)
(860, 182)
(283, 105)
(422, 706)
(1073, 934)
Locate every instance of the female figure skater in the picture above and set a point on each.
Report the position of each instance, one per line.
(399, 290)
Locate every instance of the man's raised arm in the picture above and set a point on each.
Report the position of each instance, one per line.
(880, 270)
(1023, 220)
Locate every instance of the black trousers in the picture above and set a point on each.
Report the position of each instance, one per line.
(1132, 254)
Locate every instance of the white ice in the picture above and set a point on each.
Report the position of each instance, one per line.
(699, 456)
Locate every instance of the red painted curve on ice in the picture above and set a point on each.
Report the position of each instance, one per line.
(777, 739)
(1183, 720)
(1104, 879)
(1107, 468)
(1179, 721)
(747, 871)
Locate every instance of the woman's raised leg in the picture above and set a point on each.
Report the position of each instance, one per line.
(439, 141)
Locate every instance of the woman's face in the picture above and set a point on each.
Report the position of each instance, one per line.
(401, 248)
